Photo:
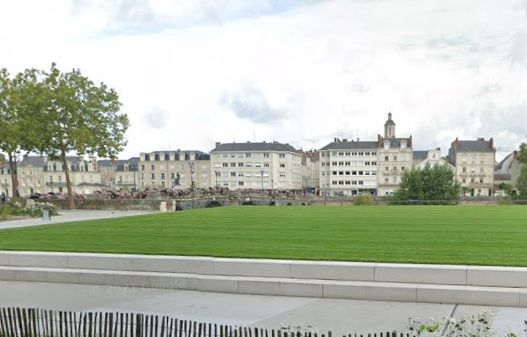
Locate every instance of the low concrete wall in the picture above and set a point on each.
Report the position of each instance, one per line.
(313, 270)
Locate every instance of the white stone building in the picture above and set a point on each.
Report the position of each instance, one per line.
(84, 176)
(310, 169)
(430, 157)
(395, 156)
(474, 161)
(348, 168)
(120, 174)
(257, 166)
(174, 169)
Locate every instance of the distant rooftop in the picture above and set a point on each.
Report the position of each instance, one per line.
(345, 144)
(250, 146)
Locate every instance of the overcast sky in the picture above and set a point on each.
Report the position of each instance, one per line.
(193, 72)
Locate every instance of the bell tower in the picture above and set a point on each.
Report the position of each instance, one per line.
(389, 128)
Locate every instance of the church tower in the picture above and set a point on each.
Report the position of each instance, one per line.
(389, 128)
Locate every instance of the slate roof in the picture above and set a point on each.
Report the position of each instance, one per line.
(133, 164)
(351, 145)
(507, 161)
(473, 146)
(420, 155)
(396, 142)
(200, 155)
(36, 161)
(502, 176)
(250, 146)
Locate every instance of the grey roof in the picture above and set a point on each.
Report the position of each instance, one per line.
(507, 161)
(396, 142)
(502, 176)
(200, 155)
(36, 161)
(473, 146)
(351, 145)
(249, 146)
(420, 155)
(133, 163)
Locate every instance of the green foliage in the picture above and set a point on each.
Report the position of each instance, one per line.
(522, 154)
(507, 188)
(430, 185)
(364, 199)
(521, 183)
(18, 207)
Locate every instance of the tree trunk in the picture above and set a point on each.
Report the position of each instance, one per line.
(14, 176)
(71, 201)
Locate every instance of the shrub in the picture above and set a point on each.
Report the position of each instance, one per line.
(289, 204)
(364, 199)
(248, 203)
(212, 203)
(272, 203)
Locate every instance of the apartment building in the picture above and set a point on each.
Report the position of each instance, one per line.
(348, 168)
(474, 161)
(395, 156)
(174, 169)
(84, 175)
(310, 169)
(31, 175)
(120, 174)
(5, 179)
(261, 166)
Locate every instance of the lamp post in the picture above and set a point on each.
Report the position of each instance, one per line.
(191, 165)
(262, 182)
(216, 173)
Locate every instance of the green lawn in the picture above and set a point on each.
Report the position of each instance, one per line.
(493, 235)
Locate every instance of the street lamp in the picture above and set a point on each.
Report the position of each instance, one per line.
(262, 182)
(191, 165)
(217, 173)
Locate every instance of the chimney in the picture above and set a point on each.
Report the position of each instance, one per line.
(491, 143)
(217, 144)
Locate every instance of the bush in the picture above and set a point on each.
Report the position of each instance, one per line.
(248, 203)
(213, 203)
(364, 199)
(289, 204)
(272, 203)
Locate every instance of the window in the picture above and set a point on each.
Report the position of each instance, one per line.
(341, 163)
(240, 174)
(240, 164)
(481, 180)
(247, 155)
(361, 182)
(167, 156)
(240, 183)
(374, 153)
(281, 155)
(341, 173)
(367, 163)
(361, 153)
(266, 155)
(394, 158)
(152, 167)
(334, 163)
(347, 153)
(403, 168)
(282, 165)
(464, 170)
(373, 163)
(334, 173)
(162, 176)
(341, 182)
(386, 180)
(153, 176)
(233, 164)
(172, 175)
(142, 167)
(347, 182)
(348, 163)
(225, 164)
(156, 157)
(347, 173)
(266, 164)
(282, 175)
(341, 153)
(361, 173)
(333, 183)
(386, 158)
(147, 157)
(386, 168)
(353, 173)
(464, 180)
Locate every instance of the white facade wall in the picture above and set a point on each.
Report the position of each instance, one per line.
(393, 161)
(277, 170)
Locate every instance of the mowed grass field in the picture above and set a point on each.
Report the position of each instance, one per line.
(482, 235)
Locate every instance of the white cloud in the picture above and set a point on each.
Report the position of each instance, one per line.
(323, 69)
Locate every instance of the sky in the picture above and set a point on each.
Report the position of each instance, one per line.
(194, 72)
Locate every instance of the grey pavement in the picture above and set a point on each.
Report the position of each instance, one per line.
(340, 316)
(70, 216)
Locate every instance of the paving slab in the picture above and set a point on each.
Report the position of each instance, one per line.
(70, 216)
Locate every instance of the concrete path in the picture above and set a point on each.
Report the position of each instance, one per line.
(69, 216)
(341, 316)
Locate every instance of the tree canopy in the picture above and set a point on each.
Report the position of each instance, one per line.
(430, 185)
(521, 183)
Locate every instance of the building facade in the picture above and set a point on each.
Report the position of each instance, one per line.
(348, 168)
(431, 158)
(120, 174)
(310, 169)
(395, 156)
(474, 161)
(174, 169)
(84, 176)
(258, 166)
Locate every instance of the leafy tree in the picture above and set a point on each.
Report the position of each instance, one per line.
(435, 184)
(80, 117)
(521, 183)
(522, 153)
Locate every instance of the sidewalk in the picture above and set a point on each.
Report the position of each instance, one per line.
(70, 216)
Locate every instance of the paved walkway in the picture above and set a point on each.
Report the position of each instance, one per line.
(69, 216)
(341, 316)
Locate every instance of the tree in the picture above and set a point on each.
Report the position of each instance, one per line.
(436, 184)
(521, 183)
(80, 117)
(522, 154)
